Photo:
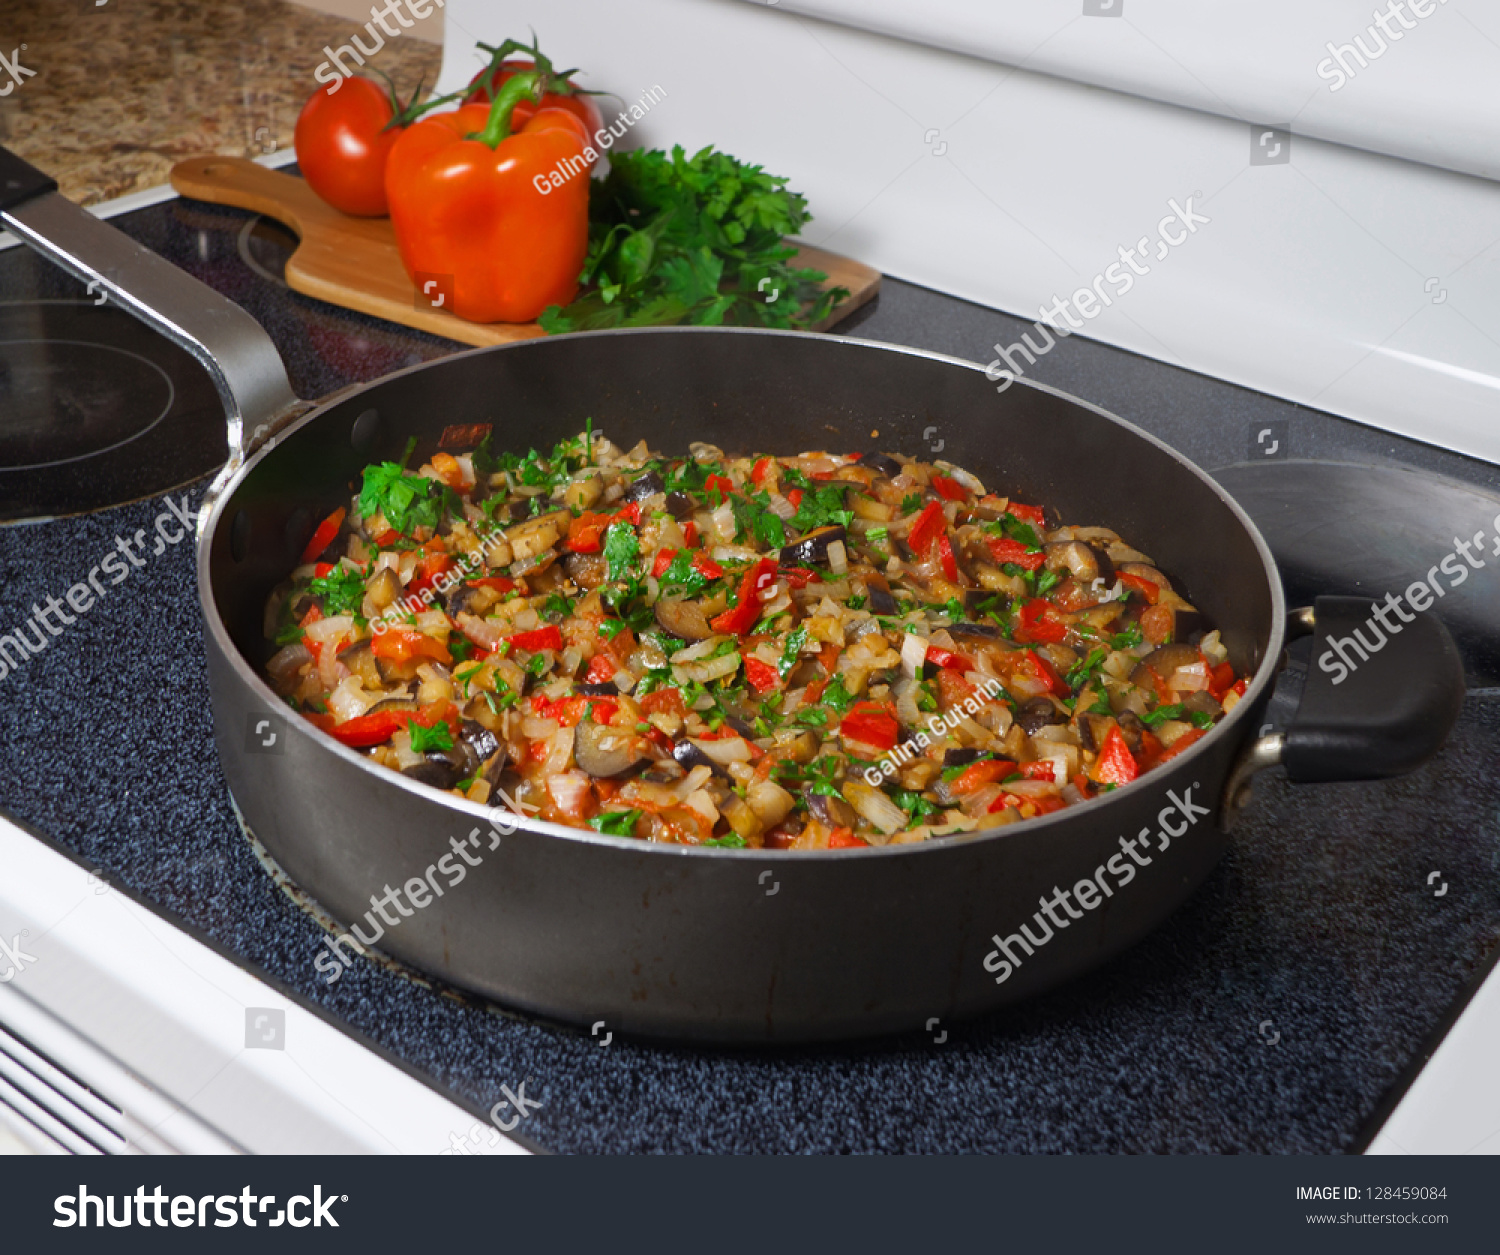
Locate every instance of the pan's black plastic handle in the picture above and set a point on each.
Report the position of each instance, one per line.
(20, 181)
(1383, 691)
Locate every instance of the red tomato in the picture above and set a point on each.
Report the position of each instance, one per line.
(490, 79)
(762, 676)
(342, 146)
(1116, 765)
(328, 529)
(871, 723)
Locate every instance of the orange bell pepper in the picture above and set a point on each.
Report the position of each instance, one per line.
(498, 219)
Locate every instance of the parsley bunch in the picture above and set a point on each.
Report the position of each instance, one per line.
(678, 239)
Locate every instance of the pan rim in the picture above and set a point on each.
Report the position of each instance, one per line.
(1230, 726)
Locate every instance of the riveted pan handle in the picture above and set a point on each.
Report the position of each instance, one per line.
(1384, 690)
(238, 355)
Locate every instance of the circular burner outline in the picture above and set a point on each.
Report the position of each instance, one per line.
(136, 435)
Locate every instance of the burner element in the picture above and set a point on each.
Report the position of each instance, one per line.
(97, 410)
(63, 400)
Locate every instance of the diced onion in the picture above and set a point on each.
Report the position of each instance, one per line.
(726, 750)
(914, 654)
(770, 802)
(285, 663)
(838, 557)
(1189, 679)
(882, 813)
(349, 700)
(704, 672)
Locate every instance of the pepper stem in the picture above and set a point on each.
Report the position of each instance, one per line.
(527, 85)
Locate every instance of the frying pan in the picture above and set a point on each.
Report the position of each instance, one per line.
(726, 945)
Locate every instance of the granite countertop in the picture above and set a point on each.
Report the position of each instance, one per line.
(121, 91)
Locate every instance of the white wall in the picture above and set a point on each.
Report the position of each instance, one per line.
(1361, 284)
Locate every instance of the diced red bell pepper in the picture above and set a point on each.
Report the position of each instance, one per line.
(929, 525)
(1239, 687)
(871, 723)
(706, 566)
(1007, 550)
(949, 489)
(1027, 513)
(388, 537)
(945, 556)
(946, 658)
(976, 775)
(663, 561)
(321, 570)
(794, 498)
(324, 536)
(814, 693)
(741, 617)
(1141, 585)
(953, 689)
(1039, 624)
(1042, 769)
(1116, 764)
(601, 670)
(762, 676)
(1045, 671)
(500, 583)
(1182, 743)
(631, 514)
(403, 645)
(586, 532)
(1220, 680)
(759, 472)
(690, 532)
(363, 731)
(797, 576)
(721, 484)
(844, 839)
(664, 701)
(549, 637)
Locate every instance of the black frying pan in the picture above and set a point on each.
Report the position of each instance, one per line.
(730, 945)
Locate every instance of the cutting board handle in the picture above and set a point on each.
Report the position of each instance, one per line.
(248, 185)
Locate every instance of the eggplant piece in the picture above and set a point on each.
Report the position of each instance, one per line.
(1106, 566)
(1039, 713)
(1131, 728)
(400, 705)
(1202, 702)
(881, 463)
(833, 811)
(459, 599)
(1186, 623)
(979, 631)
(599, 690)
(742, 726)
(587, 570)
(1163, 662)
(680, 506)
(683, 619)
(812, 548)
(434, 770)
(882, 600)
(961, 757)
(1075, 557)
(604, 752)
(481, 742)
(689, 756)
(1093, 730)
(647, 485)
(361, 661)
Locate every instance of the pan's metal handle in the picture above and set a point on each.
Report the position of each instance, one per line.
(237, 353)
(1384, 691)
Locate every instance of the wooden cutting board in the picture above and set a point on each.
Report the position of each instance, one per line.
(353, 262)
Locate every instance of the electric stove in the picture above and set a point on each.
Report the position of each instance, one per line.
(1285, 1008)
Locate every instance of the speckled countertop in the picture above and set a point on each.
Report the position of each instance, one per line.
(121, 91)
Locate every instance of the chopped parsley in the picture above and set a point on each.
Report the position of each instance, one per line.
(621, 549)
(821, 507)
(1128, 639)
(791, 651)
(753, 517)
(423, 740)
(911, 503)
(1198, 718)
(342, 590)
(730, 841)
(406, 501)
(1083, 671)
(616, 823)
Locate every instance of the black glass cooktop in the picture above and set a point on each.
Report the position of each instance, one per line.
(1278, 1011)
